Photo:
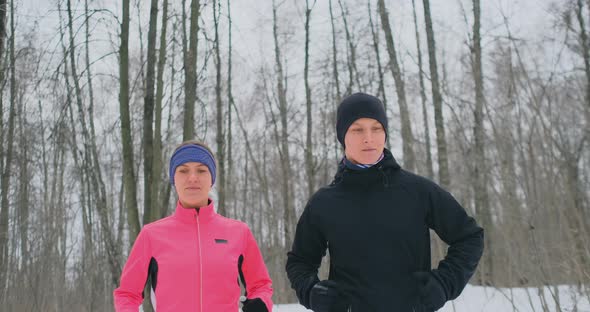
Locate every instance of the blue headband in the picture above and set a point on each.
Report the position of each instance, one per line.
(190, 153)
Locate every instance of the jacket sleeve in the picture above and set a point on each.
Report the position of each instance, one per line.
(129, 295)
(257, 281)
(305, 257)
(464, 237)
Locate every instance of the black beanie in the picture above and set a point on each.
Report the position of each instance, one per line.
(355, 106)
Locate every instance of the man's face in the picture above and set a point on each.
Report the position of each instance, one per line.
(364, 141)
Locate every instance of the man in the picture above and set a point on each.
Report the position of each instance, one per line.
(374, 219)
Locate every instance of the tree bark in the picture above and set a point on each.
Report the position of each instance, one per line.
(148, 114)
(441, 142)
(480, 173)
(190, 68)
(289, 215)
(407, 135)
(586, 56)
(157, 151)
(230, 100)
(429, 169)
(381, 91)
(309, 160)
(126, 139)
(8, 163)
(3, 9)
(220, 136)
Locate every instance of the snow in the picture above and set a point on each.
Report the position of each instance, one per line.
(487, 299)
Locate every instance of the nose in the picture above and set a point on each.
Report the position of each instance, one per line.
(193, 176)
(368, 137)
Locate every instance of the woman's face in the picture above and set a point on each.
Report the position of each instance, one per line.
(193, 183)
(364, 141)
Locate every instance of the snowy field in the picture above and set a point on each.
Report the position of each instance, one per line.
(485, 299)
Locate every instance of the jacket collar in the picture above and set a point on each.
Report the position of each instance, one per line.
(377, 174)
(189, 215)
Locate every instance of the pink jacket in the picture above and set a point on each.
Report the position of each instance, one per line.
(194, 259)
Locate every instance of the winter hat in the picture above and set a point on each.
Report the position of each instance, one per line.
(355, 106)
(192, 152)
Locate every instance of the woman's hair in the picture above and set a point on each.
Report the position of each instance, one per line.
(196, 142)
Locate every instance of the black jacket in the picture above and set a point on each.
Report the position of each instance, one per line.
(375, 224)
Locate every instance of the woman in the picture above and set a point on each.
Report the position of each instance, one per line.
(193, 258)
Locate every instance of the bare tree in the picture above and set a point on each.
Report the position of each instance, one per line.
(335, 56)
(157, 205)
(441, 142)
(289, 215)
(230, 101)
(480, 174)
(585, 49)
(220, 136)
(353, 76)
(407, 135)
(126, 139)
(93, 167)
(309, 160)
(2, 74)
(4, 204)
(148, 114)
(429, 169)
(190, 70)
(381, 90)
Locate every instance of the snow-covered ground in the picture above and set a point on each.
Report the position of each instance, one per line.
(485, 299)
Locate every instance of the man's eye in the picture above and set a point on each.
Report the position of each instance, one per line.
(357, 130)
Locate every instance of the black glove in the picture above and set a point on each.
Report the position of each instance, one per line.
(254, 305)
(431, 293)
(326, 296)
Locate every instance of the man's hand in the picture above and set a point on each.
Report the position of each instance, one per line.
(430, 292)
(326, 296)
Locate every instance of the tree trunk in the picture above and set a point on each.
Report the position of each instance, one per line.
(309, 161)
(126, 139)
(8, 164)
(230, 100)
(289, 215)
(148, 114)
(23, 189)
(352, 69)
(441, 142)
(480, 173)
(381, 92)
(407, 135)
(586, 56)
(220, 137)
(429, 169)
(190, 68)
(157, 151)
(338, 96)
(3, 9)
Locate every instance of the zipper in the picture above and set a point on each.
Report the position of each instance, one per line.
(200, 264)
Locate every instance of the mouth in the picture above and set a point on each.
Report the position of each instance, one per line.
(193, 188)
(369, 150)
